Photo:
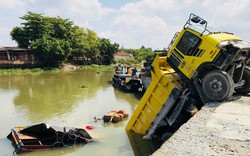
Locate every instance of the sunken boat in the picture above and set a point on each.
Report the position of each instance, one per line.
(42, 136)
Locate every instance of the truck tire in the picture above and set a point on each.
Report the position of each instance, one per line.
(246, 79)
(218, 85)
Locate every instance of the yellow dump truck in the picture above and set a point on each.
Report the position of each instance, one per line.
(200, 66)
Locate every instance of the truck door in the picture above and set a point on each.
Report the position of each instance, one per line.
(182, 56)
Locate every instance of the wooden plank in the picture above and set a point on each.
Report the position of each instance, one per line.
(25, 137)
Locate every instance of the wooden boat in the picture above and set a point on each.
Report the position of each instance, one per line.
(127, 83)
(42, 136)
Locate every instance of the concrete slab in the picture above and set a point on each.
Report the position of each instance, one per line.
(217, 129)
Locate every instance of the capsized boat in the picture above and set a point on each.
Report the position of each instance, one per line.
(43, 136)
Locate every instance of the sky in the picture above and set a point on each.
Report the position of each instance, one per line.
(131, 23)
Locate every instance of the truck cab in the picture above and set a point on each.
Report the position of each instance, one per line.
(200, 66)
(197, 52)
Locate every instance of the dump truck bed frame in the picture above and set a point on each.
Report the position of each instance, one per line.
(162, 95)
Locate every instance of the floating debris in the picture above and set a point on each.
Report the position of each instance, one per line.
(83, 86)
(113, 116)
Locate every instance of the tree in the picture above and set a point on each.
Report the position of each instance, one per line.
(143, 54)
(91, 44)
(85, 43)
(53, 39)
(78, 42)
(32, 29)
(107, 50)
(20, 37)
(140, 54)
(51, 51)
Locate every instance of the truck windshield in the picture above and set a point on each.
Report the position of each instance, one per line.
(188, 43)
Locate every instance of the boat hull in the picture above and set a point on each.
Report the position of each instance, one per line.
(126, 83)
(42, 136)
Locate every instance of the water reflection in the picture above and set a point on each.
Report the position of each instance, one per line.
(142, 147)
(58, 99)
(51, 94)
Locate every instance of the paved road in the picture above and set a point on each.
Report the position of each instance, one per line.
(217, 129)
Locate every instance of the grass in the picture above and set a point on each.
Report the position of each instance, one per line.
(26, 71)
(98, 68)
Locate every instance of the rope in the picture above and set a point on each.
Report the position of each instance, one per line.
(63, 136)
(81, 137)
(56, 143)
(72, 135)
(112, 117)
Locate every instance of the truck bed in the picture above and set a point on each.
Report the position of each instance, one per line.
(160, 97)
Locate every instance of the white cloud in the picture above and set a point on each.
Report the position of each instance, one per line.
(140, 21)
(4, 36)
(134, 30)
(137, 24)
(15, 4)
(82, 12)
(83, 24)
(86, 9)
(232, 16)
(229, 8)
(162, 5)
(155, 21)
(107, 34)
(153, 5)
(151, 23)
(11, 4)
(131, 39)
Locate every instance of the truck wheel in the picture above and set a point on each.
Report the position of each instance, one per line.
(218, 85)
(246, 80)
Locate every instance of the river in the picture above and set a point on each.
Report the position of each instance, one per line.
(57, 98)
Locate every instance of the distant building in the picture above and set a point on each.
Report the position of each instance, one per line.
(15, 55)
(122, 55)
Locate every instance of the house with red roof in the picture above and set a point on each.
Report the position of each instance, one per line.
(122, 55)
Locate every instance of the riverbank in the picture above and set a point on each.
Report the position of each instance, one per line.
(26, 71)
(217, 129)
(64, 67)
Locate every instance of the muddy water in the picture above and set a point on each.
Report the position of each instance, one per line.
(59, 99)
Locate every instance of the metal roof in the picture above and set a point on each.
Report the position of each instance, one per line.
(13, 49)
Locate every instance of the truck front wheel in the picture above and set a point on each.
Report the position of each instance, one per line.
(218, 85)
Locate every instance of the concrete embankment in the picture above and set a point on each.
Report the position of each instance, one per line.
(217, 129)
